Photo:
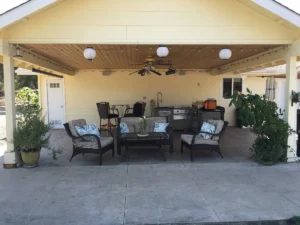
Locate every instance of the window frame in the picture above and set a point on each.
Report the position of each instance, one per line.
(232, 86)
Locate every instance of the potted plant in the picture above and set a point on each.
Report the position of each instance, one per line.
(143, 126)
(295, 97)
(31, 133)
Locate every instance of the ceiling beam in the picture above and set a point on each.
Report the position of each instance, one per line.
(248, 64)
(44, 63)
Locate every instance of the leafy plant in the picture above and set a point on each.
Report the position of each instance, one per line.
(296, 220)
(31, 133)
(143, 125)
(295, 97)
(271, 130)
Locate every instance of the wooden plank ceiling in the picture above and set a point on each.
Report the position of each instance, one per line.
(128, 56)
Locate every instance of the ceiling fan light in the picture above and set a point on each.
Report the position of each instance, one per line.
(89, 53)
(225, 54)
(162, 51)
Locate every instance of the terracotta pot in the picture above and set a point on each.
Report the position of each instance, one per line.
(30, 159)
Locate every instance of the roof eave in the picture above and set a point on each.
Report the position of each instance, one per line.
(23, 11)
(280, 10)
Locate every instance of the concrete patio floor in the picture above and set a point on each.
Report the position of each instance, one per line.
(146, 190)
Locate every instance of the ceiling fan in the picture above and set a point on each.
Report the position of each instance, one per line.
(148, 67)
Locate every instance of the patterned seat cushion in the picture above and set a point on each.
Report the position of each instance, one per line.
(105, 141)
(198, 140)
(209, 128)
(219, 126)
(160, 127)
(88, 129)
(133, 123)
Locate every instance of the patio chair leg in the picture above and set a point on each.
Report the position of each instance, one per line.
(100, 163)
(219, 151)
(181, 148)
(113, 152)
(72, 157)
(192, 158)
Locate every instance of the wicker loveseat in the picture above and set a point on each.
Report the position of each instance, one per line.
(133, 126)
(99, 145)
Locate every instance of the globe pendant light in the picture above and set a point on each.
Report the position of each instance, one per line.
(225, 54)
(89, 53)
(162, 51)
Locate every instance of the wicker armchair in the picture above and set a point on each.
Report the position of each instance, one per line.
(99, 145)
(196, 142)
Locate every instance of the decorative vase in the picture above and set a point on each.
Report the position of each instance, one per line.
(30, 159)
(143, 126)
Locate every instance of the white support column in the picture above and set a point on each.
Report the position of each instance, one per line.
(11, 158)
(291, 111)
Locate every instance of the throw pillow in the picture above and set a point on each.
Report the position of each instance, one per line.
(207, 127)
(124, 128)
(160, 127)
(219, 124)
(88, 129)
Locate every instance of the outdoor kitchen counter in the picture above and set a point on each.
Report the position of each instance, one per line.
(178, 116)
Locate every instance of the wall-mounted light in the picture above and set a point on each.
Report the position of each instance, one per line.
(18, 53)
(89, 53)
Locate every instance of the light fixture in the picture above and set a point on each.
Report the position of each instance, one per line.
(171, 71)
(89, 53)
(225, 54)
(162, 51)
(18, 55)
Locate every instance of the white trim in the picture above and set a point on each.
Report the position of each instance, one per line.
(22, 11)
(232, 79)
(46, 98)
(279, 10)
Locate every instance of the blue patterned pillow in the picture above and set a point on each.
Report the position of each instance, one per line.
(207, 127)
(124, 128)
(160, 127)
(88, 129)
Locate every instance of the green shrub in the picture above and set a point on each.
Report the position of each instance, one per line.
(264, 117)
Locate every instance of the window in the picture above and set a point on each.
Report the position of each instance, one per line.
(230, 85)
(54, 85)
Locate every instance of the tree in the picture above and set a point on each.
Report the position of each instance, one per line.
(20, 81)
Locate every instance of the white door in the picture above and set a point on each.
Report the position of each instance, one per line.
(56, 102)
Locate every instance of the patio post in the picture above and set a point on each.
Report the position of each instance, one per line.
(11, 158)
(291, 111)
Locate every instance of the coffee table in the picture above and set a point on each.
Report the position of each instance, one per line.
(153, 139)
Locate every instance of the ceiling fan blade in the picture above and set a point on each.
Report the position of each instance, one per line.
(134, 72)
(153, 71)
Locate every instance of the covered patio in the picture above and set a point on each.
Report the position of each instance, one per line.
(50, 37)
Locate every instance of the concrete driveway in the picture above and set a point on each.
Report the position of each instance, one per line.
(146, 190)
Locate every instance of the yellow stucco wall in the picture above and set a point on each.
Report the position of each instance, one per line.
(143, 21)
(88, 87)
